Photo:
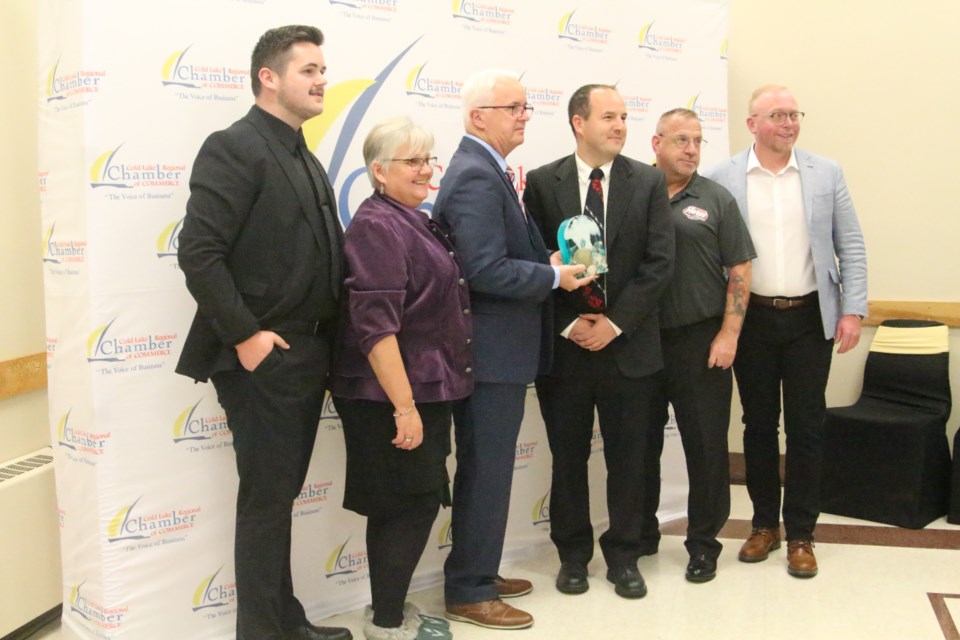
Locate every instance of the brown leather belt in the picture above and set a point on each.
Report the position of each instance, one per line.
(783, 302)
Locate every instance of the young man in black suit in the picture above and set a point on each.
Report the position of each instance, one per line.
(261, 252)
(606, 339)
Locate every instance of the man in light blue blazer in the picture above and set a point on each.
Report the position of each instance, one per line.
(809, 291)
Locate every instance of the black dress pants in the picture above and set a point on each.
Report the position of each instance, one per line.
(623, 408)
(701, 404)
(783, 349)
(273, 414)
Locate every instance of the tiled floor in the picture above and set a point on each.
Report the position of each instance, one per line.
(896, 587)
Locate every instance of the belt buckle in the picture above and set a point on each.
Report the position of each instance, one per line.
(782, 303)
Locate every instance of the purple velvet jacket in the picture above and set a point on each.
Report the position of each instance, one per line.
(403, 279)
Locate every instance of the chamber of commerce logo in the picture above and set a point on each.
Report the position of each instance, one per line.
(723, 48)
(708, 114)
(341, 562)
(540, 514)
(169, 239)
(80, 440)
(213, 594)
(107, 171)
(102, 346)
(670, 46)
(376, 8)
(582, 33)
(192, 425)
(75, 83)
(483, 16)
(311, 498)
(526, 451)
(420, 84)
(546, 101)
(51, 351)
(160, 527)
(445, 535)
(637, 106)
(105, 618)
(179, 70)
(56, 251)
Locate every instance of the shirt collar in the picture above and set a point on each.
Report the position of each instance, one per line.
(583, 170)
(287, 136)
(754, 163)
(501, 161)
(690, 190)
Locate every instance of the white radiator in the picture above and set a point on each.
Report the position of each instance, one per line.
(29, 540)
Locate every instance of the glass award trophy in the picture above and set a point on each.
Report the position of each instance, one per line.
(581, 242)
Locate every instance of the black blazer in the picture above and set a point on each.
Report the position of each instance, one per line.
(251, 240)
(640, 255)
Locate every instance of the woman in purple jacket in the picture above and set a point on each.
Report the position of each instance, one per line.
(404, 357)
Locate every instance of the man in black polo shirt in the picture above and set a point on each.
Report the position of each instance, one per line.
(700, 318)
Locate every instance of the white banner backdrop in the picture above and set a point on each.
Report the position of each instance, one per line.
(127, 92)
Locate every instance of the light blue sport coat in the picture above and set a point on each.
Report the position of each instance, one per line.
(839, 255)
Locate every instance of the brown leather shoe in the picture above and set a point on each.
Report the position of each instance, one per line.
(801, 563)
(492, 614)
(759, 545)
(512, 587)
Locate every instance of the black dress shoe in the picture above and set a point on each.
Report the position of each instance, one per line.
(701, 569)
(312, 632)
(572, 578)
(628, 581)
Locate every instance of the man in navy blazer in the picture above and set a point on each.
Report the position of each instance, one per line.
(808, 291)
(510, 281)
(261, 253)
(605, 358)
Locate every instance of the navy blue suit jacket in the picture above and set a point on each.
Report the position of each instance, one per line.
(506, 263)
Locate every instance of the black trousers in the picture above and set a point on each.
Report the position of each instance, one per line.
(701, 404)
(623, 407)
(273, 414)
(783, 349)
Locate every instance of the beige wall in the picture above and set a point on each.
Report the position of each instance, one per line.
(23, 419)
(876, 79)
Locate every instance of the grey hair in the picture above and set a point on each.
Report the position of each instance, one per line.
(388, 137)
(478, 89)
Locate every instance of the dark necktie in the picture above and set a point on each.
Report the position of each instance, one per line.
(327, 221)
(594, 294)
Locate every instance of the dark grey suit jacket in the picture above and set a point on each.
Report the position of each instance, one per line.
(640, 254)
(251, 241)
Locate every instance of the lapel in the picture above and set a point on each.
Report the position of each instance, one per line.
(618, 194)
(808, 178)
(567, 190)
(292, 167)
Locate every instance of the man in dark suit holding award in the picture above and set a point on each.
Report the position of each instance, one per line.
(261, 252)
(510, 280)
(606, 339)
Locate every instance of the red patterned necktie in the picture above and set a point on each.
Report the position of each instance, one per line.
(594, 295)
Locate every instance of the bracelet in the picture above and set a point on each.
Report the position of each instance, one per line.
(403, 412)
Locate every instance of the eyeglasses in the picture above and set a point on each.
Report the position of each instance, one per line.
(683, 141)
(416, 163)
(780, 117)
(515, 110)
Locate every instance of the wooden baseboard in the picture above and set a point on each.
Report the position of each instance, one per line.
(946, 312)
(21, 375)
